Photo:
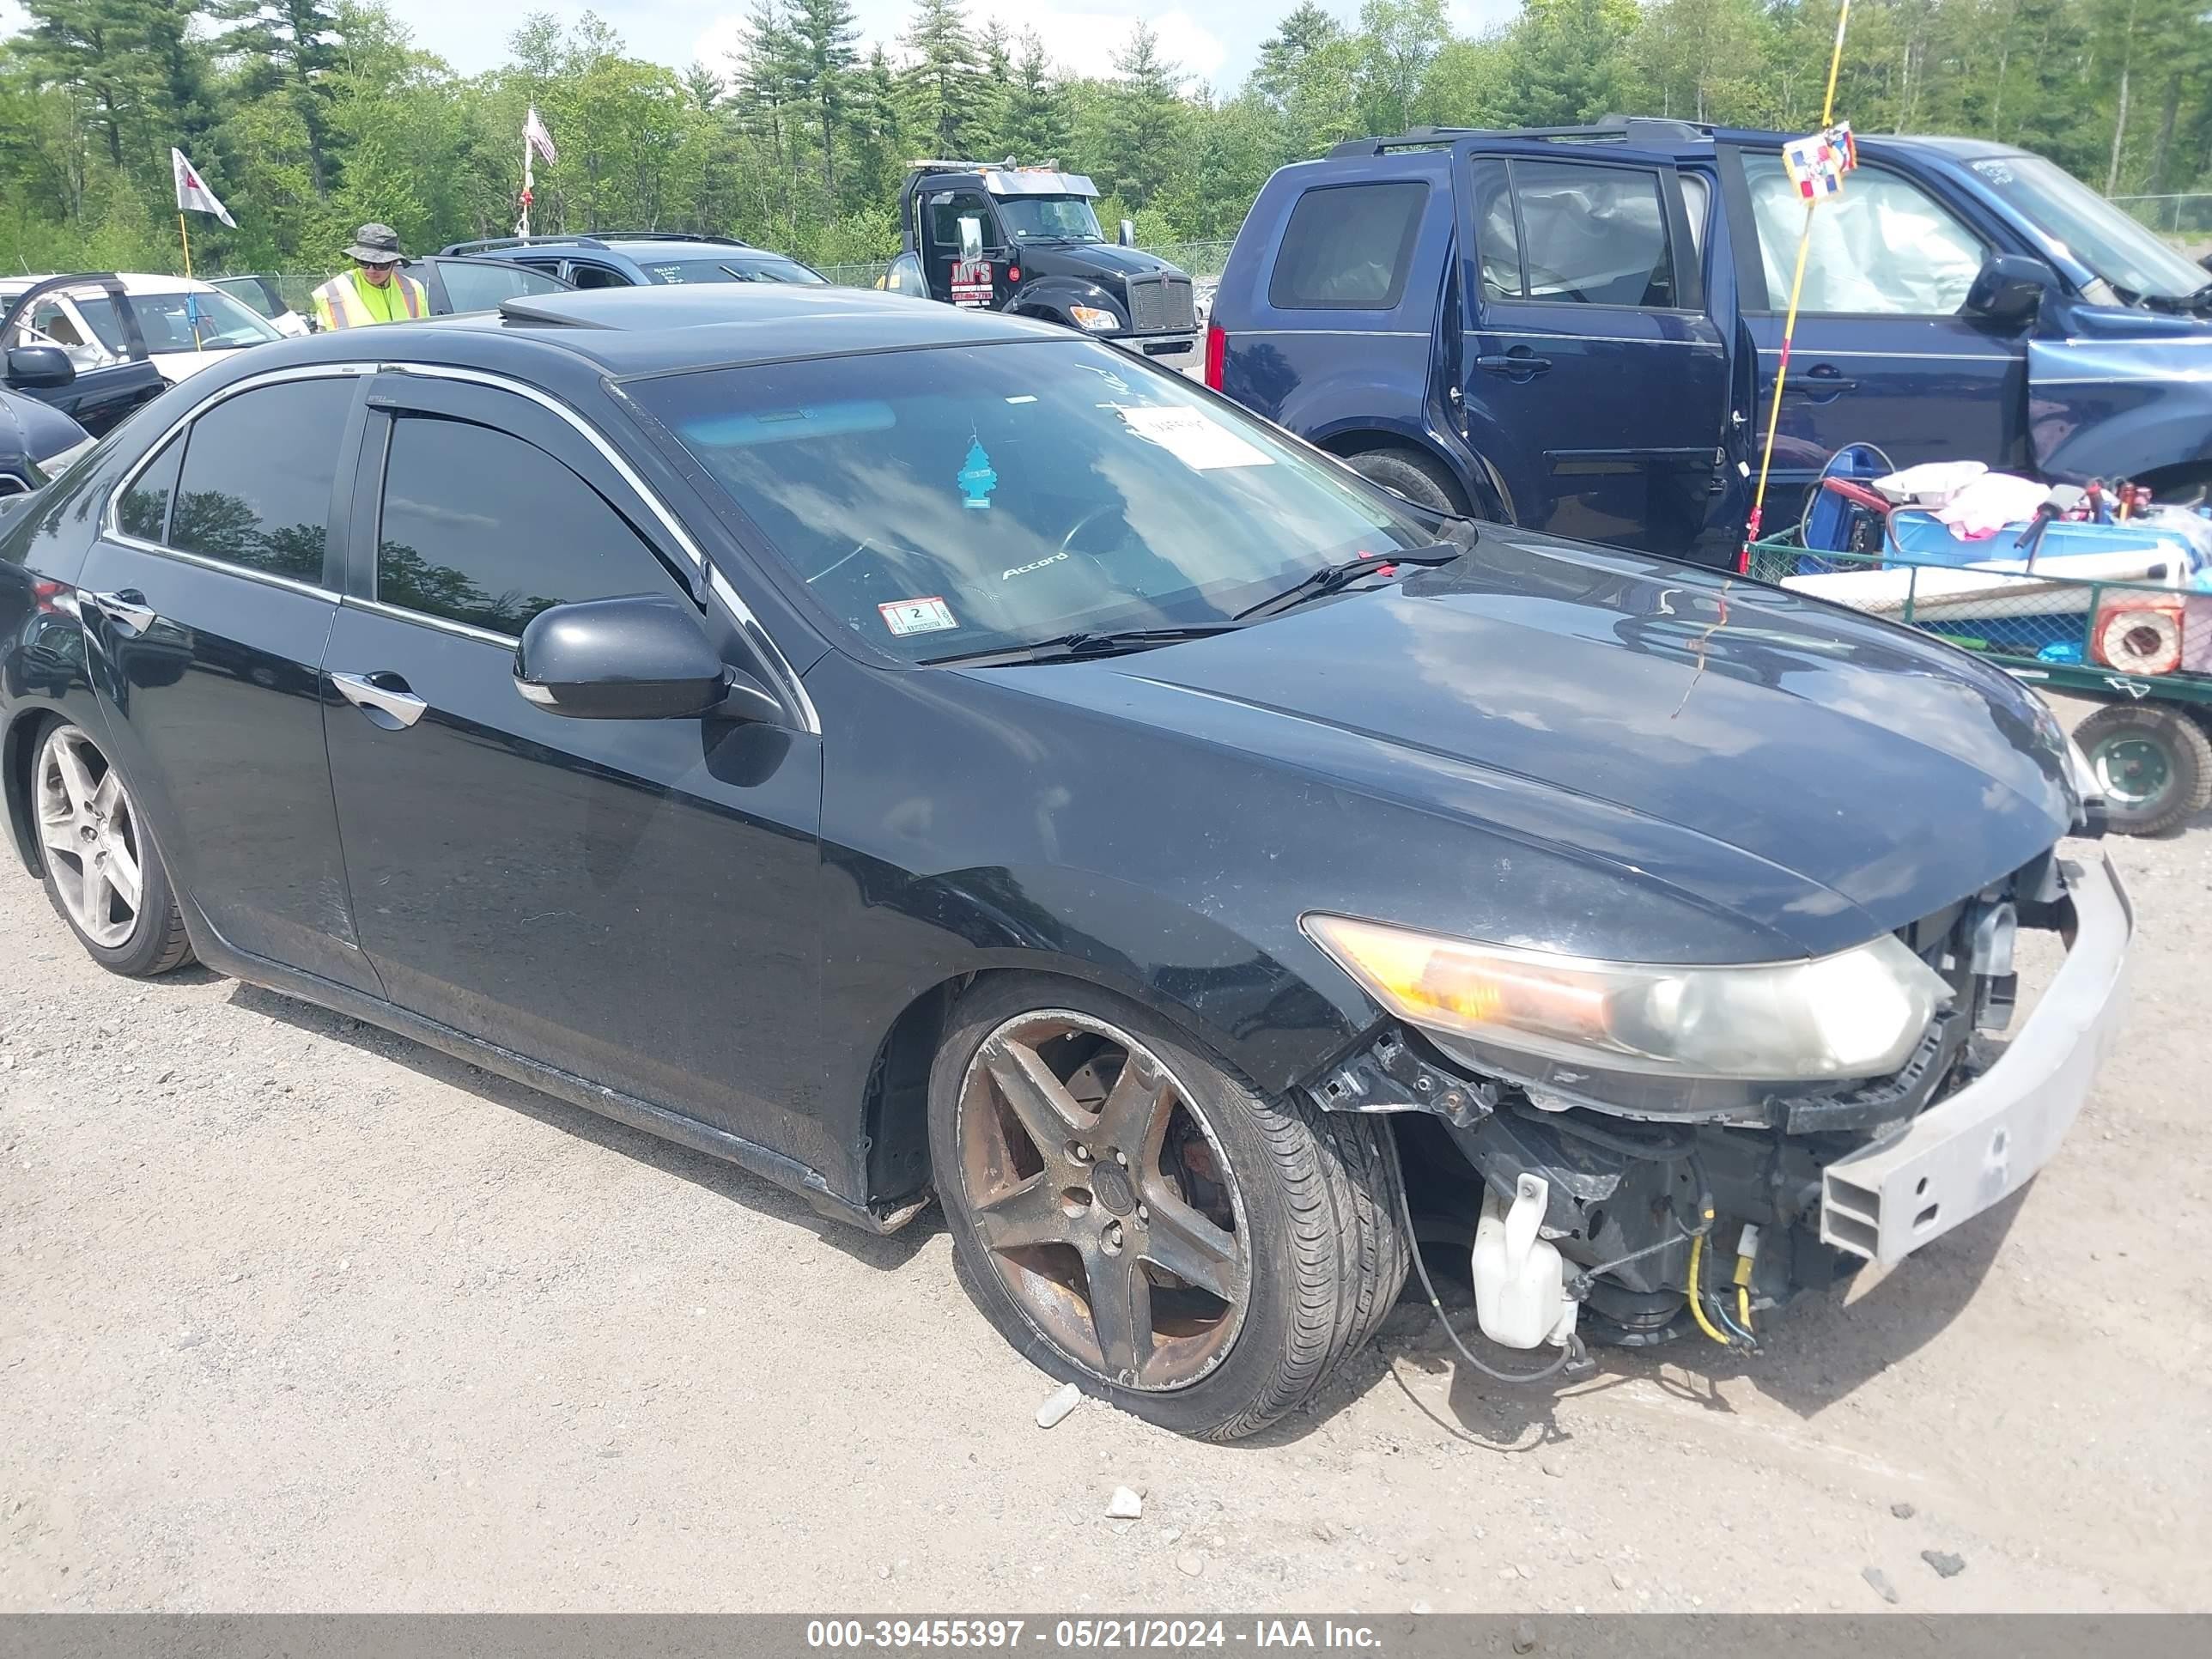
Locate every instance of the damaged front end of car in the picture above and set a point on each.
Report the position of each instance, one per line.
(1663, 1150)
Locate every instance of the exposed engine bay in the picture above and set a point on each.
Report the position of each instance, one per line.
(1613, 1220)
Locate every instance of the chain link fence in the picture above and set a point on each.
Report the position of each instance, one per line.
(2186, 215)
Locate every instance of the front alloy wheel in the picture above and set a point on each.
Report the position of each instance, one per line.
(101, 871)
(1136, 1219)
(1103, 1199)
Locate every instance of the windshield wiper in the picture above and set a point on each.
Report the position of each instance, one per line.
(1335, 578)
(1073, 647)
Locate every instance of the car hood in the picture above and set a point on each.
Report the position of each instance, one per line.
(1818, 775)
(1096, 258)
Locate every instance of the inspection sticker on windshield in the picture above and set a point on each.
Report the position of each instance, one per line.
(904, 617)
(1192, 437)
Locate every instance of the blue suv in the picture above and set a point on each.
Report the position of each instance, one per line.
(1578, 329)
(638, 259)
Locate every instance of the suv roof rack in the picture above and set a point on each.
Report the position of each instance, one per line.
(598, 239)
(605, 236)
(1629, 128)
(486, 244)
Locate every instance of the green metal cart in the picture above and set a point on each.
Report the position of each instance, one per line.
(2141, 649)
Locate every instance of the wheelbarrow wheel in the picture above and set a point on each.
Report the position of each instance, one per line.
(2154, 762)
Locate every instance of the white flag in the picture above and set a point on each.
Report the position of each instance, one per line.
(535, 136)
(192, 195)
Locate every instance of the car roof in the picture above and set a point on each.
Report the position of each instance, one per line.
(640, 332)
(1424, 148)
(134, 282)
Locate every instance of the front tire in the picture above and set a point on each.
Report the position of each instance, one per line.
(2154, 762)
(1136, 1220)
(103, 872)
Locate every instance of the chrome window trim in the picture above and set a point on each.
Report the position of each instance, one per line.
(443, 624)
(110, 525)
(749, 625)
(267, 578)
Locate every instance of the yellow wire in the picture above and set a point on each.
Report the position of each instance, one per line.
(1797, 289)
(1697, 1295)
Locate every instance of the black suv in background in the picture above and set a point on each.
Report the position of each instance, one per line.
(638, 259)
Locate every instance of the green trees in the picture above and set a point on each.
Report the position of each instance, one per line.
(309, 116)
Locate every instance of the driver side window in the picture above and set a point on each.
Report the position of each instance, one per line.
(944, 219)
(1881, 246)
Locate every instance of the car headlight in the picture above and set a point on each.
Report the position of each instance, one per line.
(1093, 318)
(1859, 1013)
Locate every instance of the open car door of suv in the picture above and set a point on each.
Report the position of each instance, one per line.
(1592, 375)
(110, 383)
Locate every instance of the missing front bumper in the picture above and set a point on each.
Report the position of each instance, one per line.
(1976, 1147)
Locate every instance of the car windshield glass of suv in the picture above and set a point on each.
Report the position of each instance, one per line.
(736, 268)
(2128, 255)
(966, 499)
(1049, 219)
(188, 321)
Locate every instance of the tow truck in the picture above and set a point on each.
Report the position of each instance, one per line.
(1026, 239)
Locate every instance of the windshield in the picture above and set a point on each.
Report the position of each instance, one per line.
(2126, 254)
(1049, 219)
(972, 498)
(736, 268)
(189, 321)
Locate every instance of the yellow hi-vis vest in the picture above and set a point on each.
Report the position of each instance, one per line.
(338, 303)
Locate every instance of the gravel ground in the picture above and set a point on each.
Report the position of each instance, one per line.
(295, 1315)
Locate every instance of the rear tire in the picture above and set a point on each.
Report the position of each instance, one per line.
(1296, 1208)
(2154, 761)
(1418, 478)
(103, 872)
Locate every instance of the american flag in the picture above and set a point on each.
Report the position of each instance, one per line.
(535, 136)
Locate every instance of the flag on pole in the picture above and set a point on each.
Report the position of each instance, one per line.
(193, 194)
(535, 136)
(1817, 164)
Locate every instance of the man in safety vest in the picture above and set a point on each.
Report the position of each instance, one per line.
(375, 290)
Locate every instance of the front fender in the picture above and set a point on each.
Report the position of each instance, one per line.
(2111, 409)
(1051, 296)
(1259, 1014)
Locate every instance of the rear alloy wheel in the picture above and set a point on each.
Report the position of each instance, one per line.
(103, 872)
(1134, 1218)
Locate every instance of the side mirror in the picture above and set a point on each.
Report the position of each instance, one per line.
(39, 368)
(2010, 287)
(643, 657)
(1126, 236)
(971, 238)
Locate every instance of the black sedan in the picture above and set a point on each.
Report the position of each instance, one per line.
(911, 753)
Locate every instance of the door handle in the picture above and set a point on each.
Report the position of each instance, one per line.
(1825, 383)
(1518, 364)
(395, 702)
(126, 605)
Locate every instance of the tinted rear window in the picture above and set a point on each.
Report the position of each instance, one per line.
(256, 490)
(1348, 247)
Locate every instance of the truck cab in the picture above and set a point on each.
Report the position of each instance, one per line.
(1027, 240)
(1579, 329)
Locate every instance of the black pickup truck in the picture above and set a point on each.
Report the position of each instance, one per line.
(1027, 240)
